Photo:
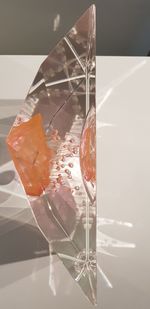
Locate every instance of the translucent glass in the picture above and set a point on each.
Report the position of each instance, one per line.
(53, 146)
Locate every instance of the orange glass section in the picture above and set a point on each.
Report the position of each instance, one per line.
(31, 155)
(88, 153)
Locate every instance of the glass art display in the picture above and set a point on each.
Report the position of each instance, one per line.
(53, 146)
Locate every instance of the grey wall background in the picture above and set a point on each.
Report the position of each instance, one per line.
(26, 26)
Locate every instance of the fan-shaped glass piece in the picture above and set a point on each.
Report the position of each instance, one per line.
(52, 143)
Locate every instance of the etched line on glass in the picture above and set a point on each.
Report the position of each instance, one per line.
(87, 200)
(38, 84)
(65, 80)
(75, 53)
(63, 104)
(71, 258)
(58, 222)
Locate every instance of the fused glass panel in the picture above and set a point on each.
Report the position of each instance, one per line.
(53, 146)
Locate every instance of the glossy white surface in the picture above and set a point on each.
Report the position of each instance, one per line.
(123, 195)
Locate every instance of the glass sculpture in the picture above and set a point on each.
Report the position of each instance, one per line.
(53, 146)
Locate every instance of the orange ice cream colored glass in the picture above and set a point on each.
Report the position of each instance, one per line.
(88, 151)
(31, 155)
